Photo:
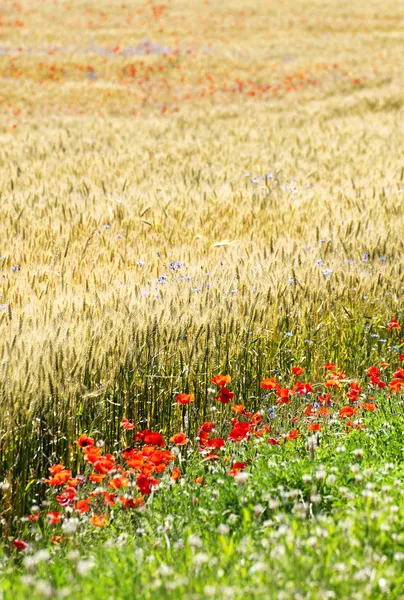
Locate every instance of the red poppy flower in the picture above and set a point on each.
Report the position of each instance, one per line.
(256, 418)
(269, 384)
(185, 398)
(67, 497)
(145, 484)
(99, 521)
(330, 366)
(310, 410)
(96, 478)
(59, 478)
(273, 441)
(82, 506)
(225, 395)
(216, 443)
(130, 502)
(20, 544)
(377, 381)
(240, 466)
(92, 453)
(176, 474)
(179, 439)
(203, 438)
(240, 431)
(84, 441)
(393, 325)
(346, 412)
(126, 424)
(325, 400)
(301, 389)
(212, 456)
(35, 517)
(354, 391)
(292, 435)
(401, 357)
(236, 468)
(239, 409)
(116, 483)
(314, 427)
(260, 432)
(395, 385)
(283, 395)
(221, 380)
(373, 371)
(109, 499)
(154, 438)
(297, 371)
(53, 517)
(368, 406)
(207, 427)
(399, 374)
(103, 466)
(56, 469)
(331, 383)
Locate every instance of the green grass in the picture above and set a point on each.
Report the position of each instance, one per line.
(322, 524)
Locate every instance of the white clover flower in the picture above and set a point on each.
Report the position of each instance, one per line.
(384, 584)
(70, 526)
(223, 529)
(195, 541)
(241, 477)
(84, 566)
(44, 589)
(200, 559)
(320, 474)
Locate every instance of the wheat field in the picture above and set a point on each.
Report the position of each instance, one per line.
(188, 188)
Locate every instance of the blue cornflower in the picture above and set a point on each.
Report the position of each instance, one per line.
(174, 265)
